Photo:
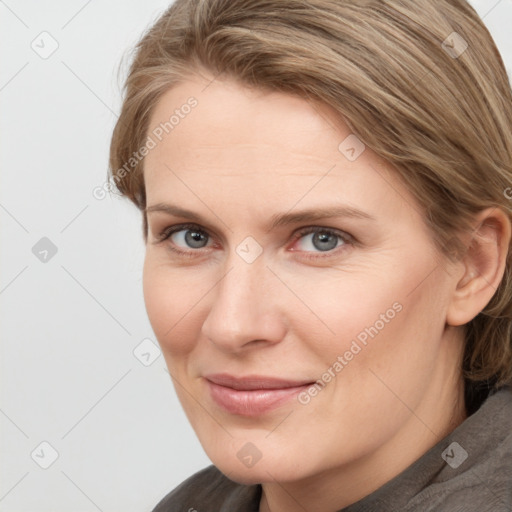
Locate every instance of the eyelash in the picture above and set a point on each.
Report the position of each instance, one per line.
(345, 237)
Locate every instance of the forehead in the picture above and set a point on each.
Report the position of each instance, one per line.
(265, 146)
(228, 113)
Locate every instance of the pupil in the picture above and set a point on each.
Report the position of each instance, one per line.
(325, 241)
(195, 239)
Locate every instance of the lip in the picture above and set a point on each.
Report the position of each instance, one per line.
(252, 395)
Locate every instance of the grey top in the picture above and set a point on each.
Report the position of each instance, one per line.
(470, 470)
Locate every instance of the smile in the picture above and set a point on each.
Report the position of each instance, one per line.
(254, 395)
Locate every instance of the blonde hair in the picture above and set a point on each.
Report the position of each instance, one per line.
(398, 72)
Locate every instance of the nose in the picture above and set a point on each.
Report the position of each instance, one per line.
(245, 311)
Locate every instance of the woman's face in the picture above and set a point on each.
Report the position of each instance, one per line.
(297, 257)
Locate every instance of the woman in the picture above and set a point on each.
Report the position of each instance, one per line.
(325, 189)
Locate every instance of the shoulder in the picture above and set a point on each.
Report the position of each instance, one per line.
(208, 487)
(482, 480)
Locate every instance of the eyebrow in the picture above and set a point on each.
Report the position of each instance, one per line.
(277, 220)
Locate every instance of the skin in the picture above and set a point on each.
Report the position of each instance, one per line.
(240, 157)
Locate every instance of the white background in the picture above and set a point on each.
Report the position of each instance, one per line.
(69, 325)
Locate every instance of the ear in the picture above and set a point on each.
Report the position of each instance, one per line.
(482, 266)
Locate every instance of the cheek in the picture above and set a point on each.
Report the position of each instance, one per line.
(347, 308)
(374, 320)
(173, 304)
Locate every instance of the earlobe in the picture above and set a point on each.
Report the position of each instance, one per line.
(483, 264)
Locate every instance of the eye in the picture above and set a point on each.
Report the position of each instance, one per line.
(184, 237)
(191, 238)
(319, 239)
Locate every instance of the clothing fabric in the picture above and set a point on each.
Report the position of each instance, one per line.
(470, 470)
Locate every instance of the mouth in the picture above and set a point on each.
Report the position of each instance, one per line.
(252, 395)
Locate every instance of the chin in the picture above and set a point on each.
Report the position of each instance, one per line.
(274, 468)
